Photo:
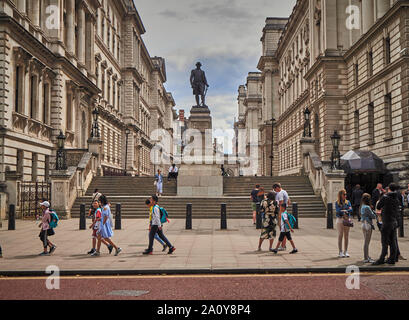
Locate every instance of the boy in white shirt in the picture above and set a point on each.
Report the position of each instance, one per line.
(285, 231)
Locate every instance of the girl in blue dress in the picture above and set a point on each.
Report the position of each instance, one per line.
(105, 228)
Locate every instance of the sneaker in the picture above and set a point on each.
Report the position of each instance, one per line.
(165, 246)
(258, 249)
(91, 251)
(281, 249)
(146, 252)
(118, 251)
(378, 263)
(274, 251)
(341, 255)
(371, 260)
(110, 248)
(401, 258)
(44, 254)
(95, 254)
(52, 249)
(294, 251)
(171, 250)
(346, 255)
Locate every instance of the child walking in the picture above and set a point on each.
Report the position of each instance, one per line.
(46, 230)
(96, 223)
(286, 230)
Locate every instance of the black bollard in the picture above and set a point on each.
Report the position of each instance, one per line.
(12, 217)
(259, 220)
(402, 224)
(118, 217)
(189, 216)
(83, 224)
(330, 219)
(223, 217)
(295, 214)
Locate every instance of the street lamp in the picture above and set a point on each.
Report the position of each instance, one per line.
(307, 123)
(335, 156)
(127, 133)
(272, 143)
(95, 127)
(61, 163)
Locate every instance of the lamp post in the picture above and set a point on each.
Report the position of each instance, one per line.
(61, 163)
(307, 123)
(335, 156)
(272, 143)
(127, 133)
(95, 127)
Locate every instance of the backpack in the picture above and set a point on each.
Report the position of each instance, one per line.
(163, 215)
(54, 219)
(291, 220)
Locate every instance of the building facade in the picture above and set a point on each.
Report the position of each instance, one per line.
(59, 61)
(347, 61)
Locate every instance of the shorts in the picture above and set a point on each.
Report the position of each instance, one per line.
(254, 206)
(50, 232)
(285, 235)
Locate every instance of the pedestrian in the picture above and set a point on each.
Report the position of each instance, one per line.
(1, 253)
(95, 196)
(270, 212)
(157, 238)
(377, 194)
(223, 171)
(96, 224)
(367, 216)
(254, 200)
(407, 196)
(356, 201)
(159, 183)
(173, 172)
(343, 213)
(286, 230)
(46, 230)
(400, 221)
(105, 227)
(281, 198)
(156, 227)
(389, 206)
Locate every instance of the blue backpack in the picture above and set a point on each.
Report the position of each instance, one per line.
(163, 215)
(292, 220)
(54, 219)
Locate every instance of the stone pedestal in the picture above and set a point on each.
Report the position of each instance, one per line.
(60, 192)
(94, 147)
(335, 182)
(201, 120)
(13, 180)
(200, 180)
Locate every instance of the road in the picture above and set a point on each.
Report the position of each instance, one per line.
(373, 286)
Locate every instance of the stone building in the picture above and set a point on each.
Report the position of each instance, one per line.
(347, 61)
(60, 60)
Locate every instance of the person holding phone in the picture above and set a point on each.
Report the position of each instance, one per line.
(343, 213)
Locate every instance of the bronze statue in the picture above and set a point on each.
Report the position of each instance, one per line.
(199, 84)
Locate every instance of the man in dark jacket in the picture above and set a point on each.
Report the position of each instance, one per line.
(356, 201)
(389, 204)
(377, 194)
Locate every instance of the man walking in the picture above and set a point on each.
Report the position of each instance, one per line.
(254, 200)
(356, 201)
(389, 204)
(283, 201)
(377, 194)
(156, 227)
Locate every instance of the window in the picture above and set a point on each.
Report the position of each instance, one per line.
(69, 111)
(370, 63)
(109, 91)
(20, 162)
(387, 50)
(33, 96)
(18, 92)
(114, 94)
(356, 74)
(356, 128)
(46, 103)
(388, 116)
(371, 123)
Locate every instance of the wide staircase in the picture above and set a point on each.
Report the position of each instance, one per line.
(131, 193)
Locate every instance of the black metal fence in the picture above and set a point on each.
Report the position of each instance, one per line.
(30, 195)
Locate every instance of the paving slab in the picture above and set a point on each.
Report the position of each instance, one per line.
(205, 249)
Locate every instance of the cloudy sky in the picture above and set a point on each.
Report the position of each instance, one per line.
(224, 35)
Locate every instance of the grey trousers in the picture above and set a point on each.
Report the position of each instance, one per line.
(367, 231)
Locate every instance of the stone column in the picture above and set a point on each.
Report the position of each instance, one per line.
(71, 26)
(91, 25)
(335, 183)
(367, 15)
(21, 6)
(81, 35)
(35, 12)
(382, 6)
(60, 193)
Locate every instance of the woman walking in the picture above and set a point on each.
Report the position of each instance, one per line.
(343, 212)
(105, 229)
(367, 215)
(270, 212)
(46, 230)
(159, 183)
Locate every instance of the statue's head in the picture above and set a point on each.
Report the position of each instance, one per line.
(198, 64)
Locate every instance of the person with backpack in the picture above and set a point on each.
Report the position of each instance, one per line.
(105, 228)
(157, 238)
(281, 198)
(48, 221)
(269, 211)
(156, 227)
(96, 222)
(287, 224)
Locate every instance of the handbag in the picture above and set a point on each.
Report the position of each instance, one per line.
(348, 223)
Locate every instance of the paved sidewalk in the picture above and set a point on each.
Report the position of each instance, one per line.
(206, 248)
